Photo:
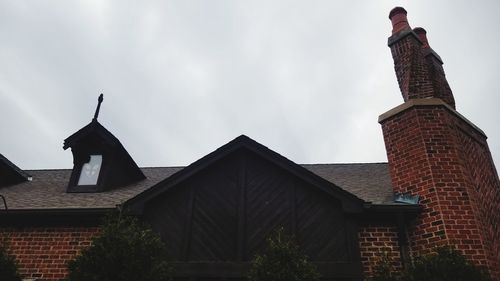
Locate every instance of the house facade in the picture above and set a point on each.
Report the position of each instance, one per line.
(439, 187)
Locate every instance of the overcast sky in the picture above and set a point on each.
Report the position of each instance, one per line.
(308, 79)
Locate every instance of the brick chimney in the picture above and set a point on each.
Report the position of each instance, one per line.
(436, 153)
(435, 68)
(418, 68)
(409, 62)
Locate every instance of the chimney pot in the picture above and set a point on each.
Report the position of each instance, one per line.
(422, 35)
(398, 19)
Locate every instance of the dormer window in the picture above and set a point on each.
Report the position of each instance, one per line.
(100, 162)
(10, 173)
(90, 171)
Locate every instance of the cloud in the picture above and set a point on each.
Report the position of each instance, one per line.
(181, 78)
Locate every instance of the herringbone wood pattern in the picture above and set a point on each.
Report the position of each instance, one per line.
(223, 214)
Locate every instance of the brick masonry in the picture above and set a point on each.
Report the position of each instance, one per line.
(375, 241)
(441, 87)
(436, 153)
(419, 69)
(43, 252)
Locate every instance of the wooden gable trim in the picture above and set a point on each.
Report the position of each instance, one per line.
(350, 203)
(53, 217)
(10, 173)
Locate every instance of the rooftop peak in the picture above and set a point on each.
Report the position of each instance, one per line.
(99, 101)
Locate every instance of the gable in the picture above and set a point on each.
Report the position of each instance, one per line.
(215, 214)
(349, 202)
(224, 212)
(10, 173)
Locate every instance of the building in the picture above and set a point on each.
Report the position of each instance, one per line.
(439, 187)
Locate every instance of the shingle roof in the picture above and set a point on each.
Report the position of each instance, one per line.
(47, 190)
(369, 181)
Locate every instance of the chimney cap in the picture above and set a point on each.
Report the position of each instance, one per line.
(419, 30)
(397, 10)
(422, 35)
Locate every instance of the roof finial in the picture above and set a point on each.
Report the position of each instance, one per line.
(100, 99)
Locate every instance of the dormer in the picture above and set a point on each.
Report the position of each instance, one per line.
(100, 162)
(11, 174)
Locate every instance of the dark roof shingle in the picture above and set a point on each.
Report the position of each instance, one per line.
(47, 189)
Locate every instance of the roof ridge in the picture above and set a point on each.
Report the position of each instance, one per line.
(181, 167)
(357, 163)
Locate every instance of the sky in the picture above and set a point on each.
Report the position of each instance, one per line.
(308, 79)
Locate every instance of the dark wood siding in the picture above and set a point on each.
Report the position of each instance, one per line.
(216, 221)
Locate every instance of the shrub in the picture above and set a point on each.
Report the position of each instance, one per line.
(282, 261)
(124, 251)
(384, 270)
(8, 265)
(446, 264)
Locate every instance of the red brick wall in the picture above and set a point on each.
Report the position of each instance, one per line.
(484, 192)
(375, 241)
(434, 153)
(43, 252)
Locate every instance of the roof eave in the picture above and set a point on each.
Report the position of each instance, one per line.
(65, 216)
(388, 208)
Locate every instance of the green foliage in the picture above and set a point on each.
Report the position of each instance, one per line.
(384, 270)
(124, 251)
(282, 261)
(446, 264)
(8, 265)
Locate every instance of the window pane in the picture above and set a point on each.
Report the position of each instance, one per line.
(90, 171)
